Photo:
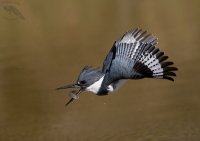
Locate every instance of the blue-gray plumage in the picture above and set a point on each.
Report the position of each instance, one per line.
(133, 56)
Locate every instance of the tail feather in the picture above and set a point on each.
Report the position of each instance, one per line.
(153, 63)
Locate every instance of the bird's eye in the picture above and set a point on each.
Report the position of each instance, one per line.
(82, 82)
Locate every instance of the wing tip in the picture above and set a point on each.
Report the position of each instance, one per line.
(138, 35)
(168, 78)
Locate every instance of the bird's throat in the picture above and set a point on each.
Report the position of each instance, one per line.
(95, 87)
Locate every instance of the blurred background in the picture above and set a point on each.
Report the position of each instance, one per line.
(44, 45)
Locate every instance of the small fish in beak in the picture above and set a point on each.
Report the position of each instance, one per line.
(73, 94)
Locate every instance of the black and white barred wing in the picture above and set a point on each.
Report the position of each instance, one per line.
(135, 56)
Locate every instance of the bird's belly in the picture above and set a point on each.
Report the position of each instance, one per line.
(116, 85)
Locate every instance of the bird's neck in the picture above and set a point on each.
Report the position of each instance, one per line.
(101, 89)
(96, 86)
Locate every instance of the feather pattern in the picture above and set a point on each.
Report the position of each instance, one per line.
(135, 56)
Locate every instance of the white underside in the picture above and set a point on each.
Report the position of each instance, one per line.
(96, 86)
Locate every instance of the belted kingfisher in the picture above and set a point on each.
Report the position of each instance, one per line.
(132, 56)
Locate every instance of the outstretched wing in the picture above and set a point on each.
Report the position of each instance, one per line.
(135, 56)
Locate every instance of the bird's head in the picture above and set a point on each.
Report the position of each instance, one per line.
(87, 77)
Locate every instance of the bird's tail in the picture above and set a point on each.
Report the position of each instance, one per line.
(152, 63)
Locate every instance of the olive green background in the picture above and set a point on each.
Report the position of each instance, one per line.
(44, 44)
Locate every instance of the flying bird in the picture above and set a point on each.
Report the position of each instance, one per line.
(132, 56)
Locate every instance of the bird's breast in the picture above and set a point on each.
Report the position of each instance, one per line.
(95, 87)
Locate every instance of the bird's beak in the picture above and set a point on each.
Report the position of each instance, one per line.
(73, 94)
(69, 86)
